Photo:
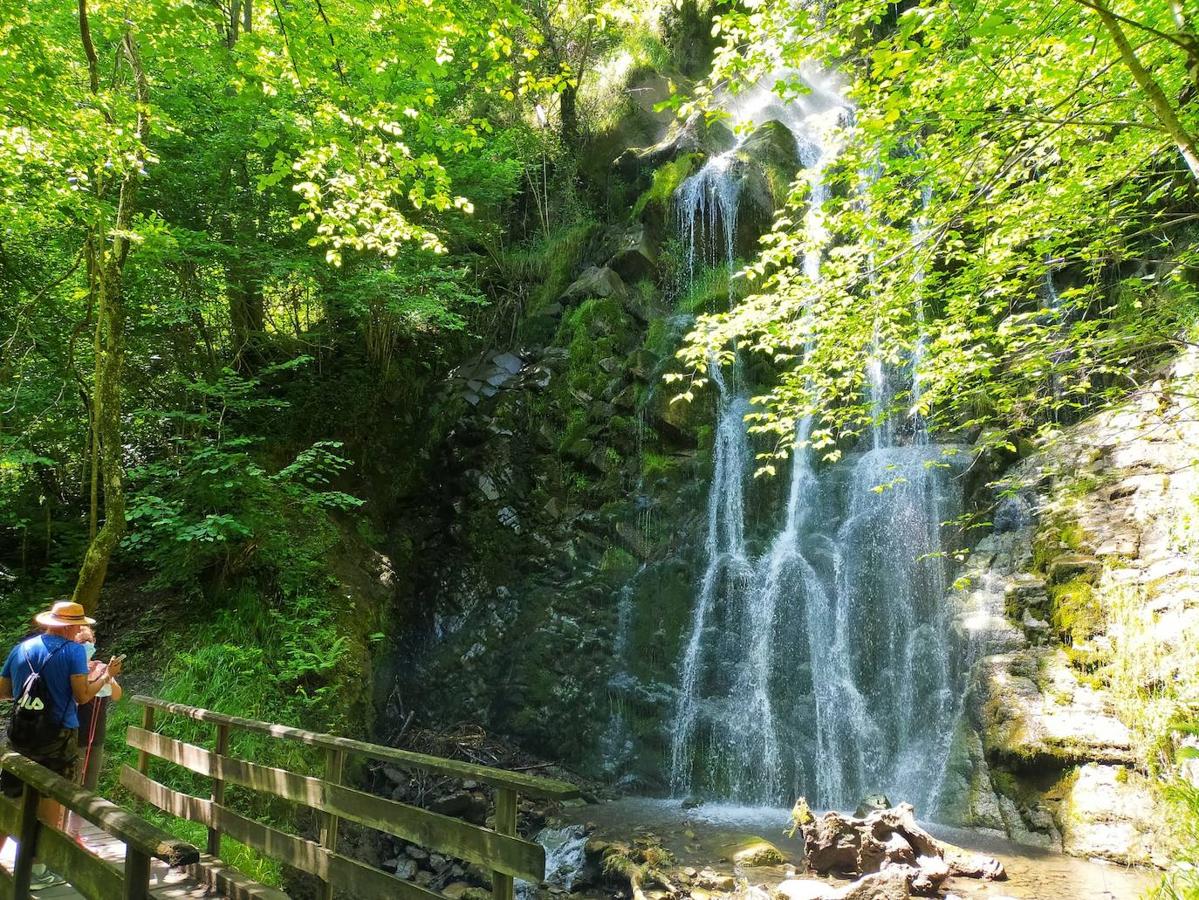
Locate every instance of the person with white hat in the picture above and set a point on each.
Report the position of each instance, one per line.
(51, 670)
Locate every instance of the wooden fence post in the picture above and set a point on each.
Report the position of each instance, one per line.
(143, 758)
(30, 826)
(218, 790)
(137, 874)
(335, 762)
(505, 823)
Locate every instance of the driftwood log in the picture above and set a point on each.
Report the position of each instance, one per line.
(889, 840)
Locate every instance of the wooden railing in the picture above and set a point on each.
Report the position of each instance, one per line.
(91, 876)
(498, 848)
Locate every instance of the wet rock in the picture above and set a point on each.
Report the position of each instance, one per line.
(1025, 591)
(417, 853)
(693, 136)
(1033, 624)
(804, 889)
(872, 803)
(1012, 514)
(752, 851)
(890, 840)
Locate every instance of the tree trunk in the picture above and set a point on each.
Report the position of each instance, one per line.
(106, 416)
(110, 249)
(243, 283)
(1162, 108)
(568, 110)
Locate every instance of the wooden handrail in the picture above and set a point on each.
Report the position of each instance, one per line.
(529, 785)
(445, 834)
(135, 831)
(93, 877)
(498, 848)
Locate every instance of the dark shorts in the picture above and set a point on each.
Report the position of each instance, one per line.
(60, 755)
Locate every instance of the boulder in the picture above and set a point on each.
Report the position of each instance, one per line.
(890, 841)
(596, 282)
(772, 144)
(751, 850)
(693, 136)
(637, 258)
(889, 885)
(467, 805)
(1108, 812)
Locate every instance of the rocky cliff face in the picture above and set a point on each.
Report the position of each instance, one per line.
(1081, 614)
(556, 567)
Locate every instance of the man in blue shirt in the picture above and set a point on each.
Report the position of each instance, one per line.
(63, 667)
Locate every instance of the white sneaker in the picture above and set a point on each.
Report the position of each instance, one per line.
(46, 880)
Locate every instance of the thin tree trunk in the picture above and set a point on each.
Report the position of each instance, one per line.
(1162, 108)
(93, 518)
(110, 322)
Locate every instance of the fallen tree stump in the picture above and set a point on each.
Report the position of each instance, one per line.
(888, 840)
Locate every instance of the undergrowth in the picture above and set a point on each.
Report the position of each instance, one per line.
(285, 662)
(1156, 684)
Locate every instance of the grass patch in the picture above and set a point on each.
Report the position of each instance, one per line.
(666, 180)
(1076, 610)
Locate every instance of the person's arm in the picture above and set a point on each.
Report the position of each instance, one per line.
(6, 677)
(83, 689)
(117, 690)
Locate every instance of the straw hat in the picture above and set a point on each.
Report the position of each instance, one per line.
(62, 614)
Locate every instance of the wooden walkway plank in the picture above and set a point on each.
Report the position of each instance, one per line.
(165, 883)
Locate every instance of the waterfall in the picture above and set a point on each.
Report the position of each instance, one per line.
(724, 550)
(706, 206)
(820, 666)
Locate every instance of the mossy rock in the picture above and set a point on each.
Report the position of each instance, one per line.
(1076, 610)
(653, 206)
(752, 850)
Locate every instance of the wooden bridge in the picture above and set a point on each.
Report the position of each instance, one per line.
(121, 855)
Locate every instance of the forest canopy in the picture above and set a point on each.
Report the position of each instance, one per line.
(1010, 211)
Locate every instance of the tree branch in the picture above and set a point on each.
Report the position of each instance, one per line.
(1157, 97)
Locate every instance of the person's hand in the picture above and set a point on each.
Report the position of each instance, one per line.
(114, 667)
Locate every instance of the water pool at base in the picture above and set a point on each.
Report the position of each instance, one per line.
(698, 837)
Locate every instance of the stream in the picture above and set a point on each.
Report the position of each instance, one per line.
(699, 838)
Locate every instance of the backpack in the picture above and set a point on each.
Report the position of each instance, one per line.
(34, 721)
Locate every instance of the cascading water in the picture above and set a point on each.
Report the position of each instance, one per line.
(820, 666)
(706, 205)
